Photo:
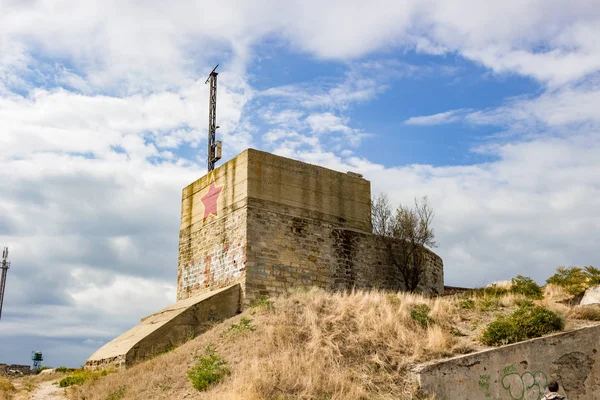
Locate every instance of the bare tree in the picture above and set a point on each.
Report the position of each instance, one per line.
(405, 234)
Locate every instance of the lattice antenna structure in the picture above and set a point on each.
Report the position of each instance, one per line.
(214, 146)
(5, 267)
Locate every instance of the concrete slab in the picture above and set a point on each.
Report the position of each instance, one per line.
(591, 296)
(168, 327)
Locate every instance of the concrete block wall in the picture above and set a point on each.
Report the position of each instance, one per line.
(521, 370)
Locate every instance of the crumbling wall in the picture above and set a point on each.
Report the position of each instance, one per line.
(521, 370)
(14, 370)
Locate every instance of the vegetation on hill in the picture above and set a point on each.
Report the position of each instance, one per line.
(318, 345)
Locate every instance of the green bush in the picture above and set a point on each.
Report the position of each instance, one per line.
(261, 302)
(77, 379)
(420, 314)
(210, 368)
(489, 303)
(575, 280)
(79, 376)
(526, 286)
(63, 369)
(243, 326)
(527, 322)
(467, 303)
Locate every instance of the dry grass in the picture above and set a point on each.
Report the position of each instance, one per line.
(21, 388)
(317, 345)
(556, 293)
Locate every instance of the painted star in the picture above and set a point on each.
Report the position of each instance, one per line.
(210, 200)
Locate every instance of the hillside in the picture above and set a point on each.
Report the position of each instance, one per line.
(318, 345)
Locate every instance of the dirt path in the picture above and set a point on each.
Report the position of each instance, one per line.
(48, 391)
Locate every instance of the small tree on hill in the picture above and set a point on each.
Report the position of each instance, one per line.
(405, 234)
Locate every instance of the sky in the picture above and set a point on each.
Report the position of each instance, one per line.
(490, 108)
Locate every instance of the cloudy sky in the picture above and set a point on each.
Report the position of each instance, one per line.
(491, 108)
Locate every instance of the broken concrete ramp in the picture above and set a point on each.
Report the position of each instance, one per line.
(167, 328)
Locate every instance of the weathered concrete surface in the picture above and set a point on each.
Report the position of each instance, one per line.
(591, 296)
(521, 370)
(272, 223)
(168, 327)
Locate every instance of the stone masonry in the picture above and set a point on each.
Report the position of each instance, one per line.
(272, 223)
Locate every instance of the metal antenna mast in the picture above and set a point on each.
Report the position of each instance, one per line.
(214, 146)
(5, 267)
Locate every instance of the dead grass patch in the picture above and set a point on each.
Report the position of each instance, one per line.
(318, 345)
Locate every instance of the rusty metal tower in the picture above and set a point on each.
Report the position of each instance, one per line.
(214, 146)
(5, 267)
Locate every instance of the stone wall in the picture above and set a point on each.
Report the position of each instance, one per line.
(212, 236)
(15, 370)
(362, 261)
(280, 223)
(521, 370)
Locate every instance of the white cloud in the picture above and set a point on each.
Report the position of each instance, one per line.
(437, 119)
(103, 120)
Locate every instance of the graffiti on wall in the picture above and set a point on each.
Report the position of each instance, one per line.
(525, 386)
(289, 274)
(222, 265)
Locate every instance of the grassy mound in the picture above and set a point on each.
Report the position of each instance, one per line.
(320, 345)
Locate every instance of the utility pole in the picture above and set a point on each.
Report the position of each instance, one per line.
(214, 146)
(5, 267)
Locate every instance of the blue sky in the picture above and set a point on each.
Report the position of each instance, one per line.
(103, 116)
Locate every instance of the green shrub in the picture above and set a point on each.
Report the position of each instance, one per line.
(420, 314)
(467, 303)
(63, 369)
(489, 291)
(261, 302)
(243, 326)
(77, 379)
(593, 275)
(527, 322)
(210, 368)
(526, 286)
(79, 376)
(575, 280)
(489, 303)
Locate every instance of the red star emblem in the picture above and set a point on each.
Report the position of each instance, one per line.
(210, 200)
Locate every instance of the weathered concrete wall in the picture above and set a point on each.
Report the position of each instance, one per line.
(168, 327)
(521, 370)
(212, 236)
(274, 223)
